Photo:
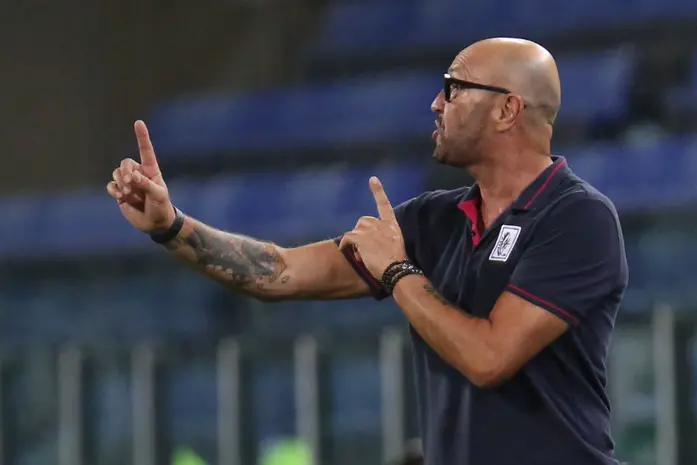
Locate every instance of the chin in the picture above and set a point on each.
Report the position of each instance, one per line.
(438, 156)
(441, 156)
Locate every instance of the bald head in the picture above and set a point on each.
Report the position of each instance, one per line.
(522, 66)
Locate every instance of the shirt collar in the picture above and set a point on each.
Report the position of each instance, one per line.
(534, 194)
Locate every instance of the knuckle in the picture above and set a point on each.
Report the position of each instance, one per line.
(113, 190)
(128, 164)
(116, 174)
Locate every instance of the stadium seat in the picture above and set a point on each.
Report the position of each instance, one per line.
(595, 86)
(287, 208)
(356, 28)
(683, 98)
(362, 29)
(276, 206)
(637, 177)
(387, 108)
(366, 109)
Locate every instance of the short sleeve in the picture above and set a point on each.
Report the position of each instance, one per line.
(575, 262)
(407, 217)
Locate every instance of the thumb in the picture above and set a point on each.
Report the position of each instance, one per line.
(154, 192)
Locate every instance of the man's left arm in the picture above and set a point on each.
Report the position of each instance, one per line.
(486, 350)
(574, 261)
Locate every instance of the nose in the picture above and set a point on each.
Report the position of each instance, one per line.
(438, 103)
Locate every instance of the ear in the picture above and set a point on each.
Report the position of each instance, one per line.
(509, 110)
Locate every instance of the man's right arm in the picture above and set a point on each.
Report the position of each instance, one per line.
(266, 271)
(256, 268)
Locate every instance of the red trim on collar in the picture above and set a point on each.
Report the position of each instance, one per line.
(471, 209)
(544, 184)
(471, 206)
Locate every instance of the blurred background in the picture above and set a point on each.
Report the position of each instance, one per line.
(268, 117)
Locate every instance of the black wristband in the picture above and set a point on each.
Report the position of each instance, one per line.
(391, 270)
(396, 271)
(173, 230)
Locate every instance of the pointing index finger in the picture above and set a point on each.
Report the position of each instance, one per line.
(385, 210)
(147, 152)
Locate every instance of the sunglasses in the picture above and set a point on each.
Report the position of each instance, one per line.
(451, 83)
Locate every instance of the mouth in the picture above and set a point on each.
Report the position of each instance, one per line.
(437, 131)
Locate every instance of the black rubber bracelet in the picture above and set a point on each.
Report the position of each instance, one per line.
(396, 271)
(406, 271)
(392, 269)
(173, 230)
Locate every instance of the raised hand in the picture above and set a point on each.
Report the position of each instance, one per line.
(139, 189)
(379, 241)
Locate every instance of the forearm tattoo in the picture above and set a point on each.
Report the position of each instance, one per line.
(235, 259)
(430, 290)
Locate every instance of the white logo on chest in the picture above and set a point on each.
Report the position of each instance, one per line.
(508, 235)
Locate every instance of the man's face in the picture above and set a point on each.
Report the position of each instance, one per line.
(463, 123)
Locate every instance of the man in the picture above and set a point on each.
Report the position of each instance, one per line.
(511, 287)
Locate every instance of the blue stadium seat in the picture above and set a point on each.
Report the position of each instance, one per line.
(683, 98)
(276, 206)
(595, 85)
(386, 107)
(366, 109)
(637, 177)
(383, 27)
(359, 27)
(288, 208)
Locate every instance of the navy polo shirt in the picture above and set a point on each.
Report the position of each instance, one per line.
(559, 246)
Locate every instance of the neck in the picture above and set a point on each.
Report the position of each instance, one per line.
(501, 181)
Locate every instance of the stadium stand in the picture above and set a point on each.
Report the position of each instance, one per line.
(385, 107)
(330, 120)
